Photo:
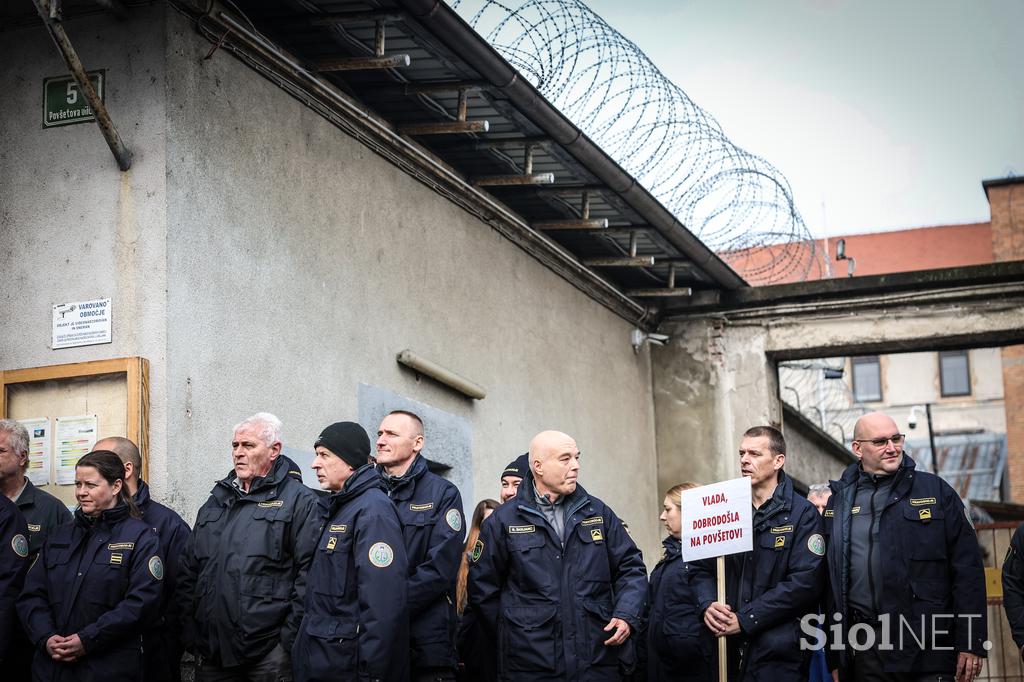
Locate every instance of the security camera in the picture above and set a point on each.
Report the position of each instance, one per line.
(658, 339)
(912, 417)
(639, 338)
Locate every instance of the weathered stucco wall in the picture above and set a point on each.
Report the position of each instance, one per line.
(300, 264)
(711, 383)
(73, 226)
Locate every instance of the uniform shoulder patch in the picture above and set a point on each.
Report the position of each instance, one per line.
(156, 567)
(381, 555)
(454, 519)
(20, 545)
(478, 551)
(816, 543)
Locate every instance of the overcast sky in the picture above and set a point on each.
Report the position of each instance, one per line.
(882, 115)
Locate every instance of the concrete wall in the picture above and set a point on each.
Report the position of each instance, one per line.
(261, 259)
(73, 226)
(718, 375)
(301, 263)
(711, 383)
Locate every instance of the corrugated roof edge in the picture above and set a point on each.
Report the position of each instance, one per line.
(459, 37)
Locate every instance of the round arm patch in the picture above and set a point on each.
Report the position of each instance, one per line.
(381, 555)
(20, 545)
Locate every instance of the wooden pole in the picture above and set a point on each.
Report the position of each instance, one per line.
(723, 668)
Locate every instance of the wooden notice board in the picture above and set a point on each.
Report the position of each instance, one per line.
(115, 391)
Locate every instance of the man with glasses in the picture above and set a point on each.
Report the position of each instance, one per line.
(905, 569)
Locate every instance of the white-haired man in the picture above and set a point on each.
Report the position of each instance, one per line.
(242, 579)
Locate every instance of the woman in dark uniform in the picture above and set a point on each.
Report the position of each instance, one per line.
(679, 647)
(95, 585)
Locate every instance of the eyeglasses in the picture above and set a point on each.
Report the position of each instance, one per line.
(897, 440)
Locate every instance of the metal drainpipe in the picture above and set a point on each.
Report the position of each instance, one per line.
(60, 38)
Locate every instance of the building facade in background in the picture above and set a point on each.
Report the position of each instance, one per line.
(974, 395)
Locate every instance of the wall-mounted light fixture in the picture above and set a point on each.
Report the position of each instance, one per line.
(442, 374)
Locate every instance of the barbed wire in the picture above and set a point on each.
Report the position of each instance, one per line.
(737, 203)
(823, 397)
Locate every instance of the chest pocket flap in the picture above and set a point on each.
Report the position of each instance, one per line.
(926, 541)
(56, 555)
(776, 541)
(267, 535)
(923, 513)
(521, 542)
(591, 534)
(272, 511)
(115, 558)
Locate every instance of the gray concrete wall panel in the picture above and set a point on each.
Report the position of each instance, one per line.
(73, 226)
(301, 264)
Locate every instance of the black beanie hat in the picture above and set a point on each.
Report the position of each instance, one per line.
(518, 467)
(348, 441)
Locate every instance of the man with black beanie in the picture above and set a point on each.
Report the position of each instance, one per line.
(355, 624)
(512, 476)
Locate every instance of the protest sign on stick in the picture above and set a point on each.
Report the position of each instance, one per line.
(717, 520)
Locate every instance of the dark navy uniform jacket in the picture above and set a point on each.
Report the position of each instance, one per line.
(43, 513)
(1013, 585)
(430, 509)
(100, 578)
(678, 646)
(13, 564)
(161, 646)
(931, 565)
(771, 587)
(242, 580)
(356, 626)
(545, 602)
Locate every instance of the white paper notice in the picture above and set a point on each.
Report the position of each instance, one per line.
(75, 437)
(717, 519)
(39, 449)
(83, 323)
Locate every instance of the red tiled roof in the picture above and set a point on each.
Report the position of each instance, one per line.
(877, 253)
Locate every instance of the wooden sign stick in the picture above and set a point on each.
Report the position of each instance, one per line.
(723, 668)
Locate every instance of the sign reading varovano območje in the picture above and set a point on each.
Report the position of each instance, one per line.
(83, 323)
(717, 519)
(64, 102)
